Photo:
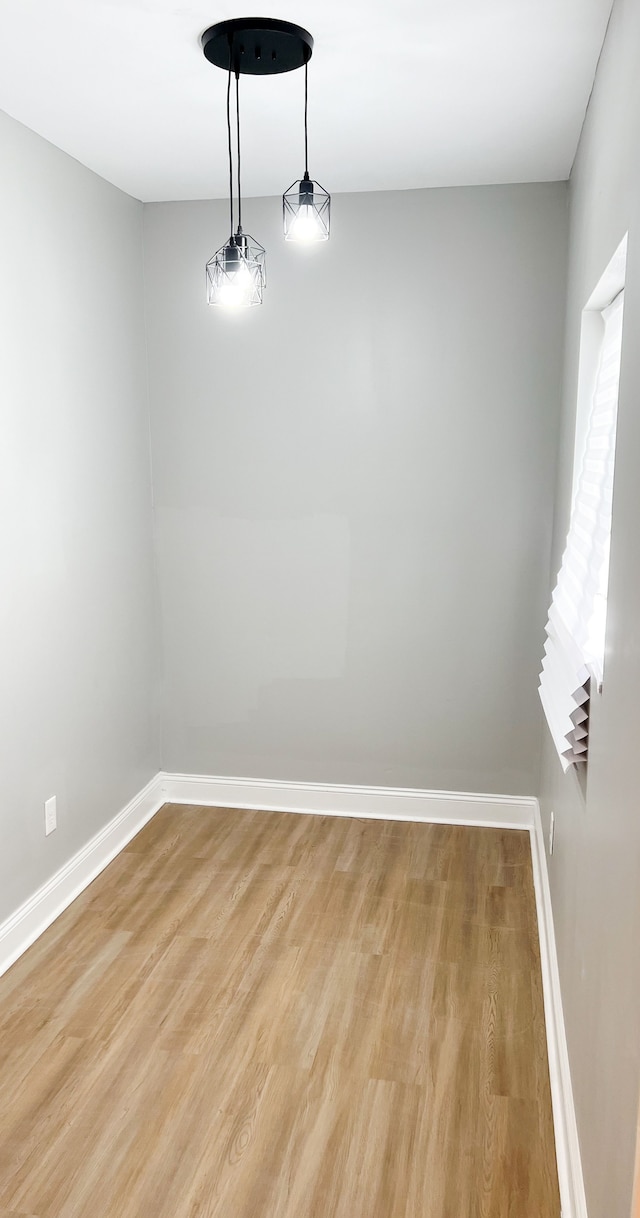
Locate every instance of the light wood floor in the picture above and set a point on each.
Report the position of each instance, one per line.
(261, 1015)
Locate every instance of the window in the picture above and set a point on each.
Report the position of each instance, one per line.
(573, 664)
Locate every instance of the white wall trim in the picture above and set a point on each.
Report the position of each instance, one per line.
(23, 927)
(572, 1196)
(374, 803)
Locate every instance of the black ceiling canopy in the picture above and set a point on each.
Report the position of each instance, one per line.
(257, 46)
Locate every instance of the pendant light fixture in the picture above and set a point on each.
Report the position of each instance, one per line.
(236, 275)
(259, 46)
(306, 206)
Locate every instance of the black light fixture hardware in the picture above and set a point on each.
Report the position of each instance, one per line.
(306, 205)
(260, 46)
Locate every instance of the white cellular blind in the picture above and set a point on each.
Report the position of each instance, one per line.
(574, 650)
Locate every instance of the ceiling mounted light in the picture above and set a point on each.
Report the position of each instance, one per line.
(236, 275)
(306, 206)
(260, 46)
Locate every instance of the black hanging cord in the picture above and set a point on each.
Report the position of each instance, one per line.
(306, 142)
(238, 131)
(229, 140)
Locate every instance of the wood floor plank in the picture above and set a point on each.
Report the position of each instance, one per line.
(280, 1016)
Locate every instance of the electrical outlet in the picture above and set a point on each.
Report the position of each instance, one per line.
(552, 829)
(50, 815)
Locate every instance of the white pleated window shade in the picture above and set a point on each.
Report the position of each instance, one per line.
(574, 650)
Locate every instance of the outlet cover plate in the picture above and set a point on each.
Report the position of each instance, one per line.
(50, 815)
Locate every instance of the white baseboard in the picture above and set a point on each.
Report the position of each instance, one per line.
(373, 803)
(383, 803)
(572, 1196)
(28, 922)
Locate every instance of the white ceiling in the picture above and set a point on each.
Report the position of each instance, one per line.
(403, 93)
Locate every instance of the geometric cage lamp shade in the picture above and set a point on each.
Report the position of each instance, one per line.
(306, 212)
(236, 274)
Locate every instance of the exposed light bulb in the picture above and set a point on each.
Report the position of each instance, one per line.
(306, 227)
(236, 289)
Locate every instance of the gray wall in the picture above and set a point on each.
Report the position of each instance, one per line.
(353, 489)
(78, 659)
(595, 868)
